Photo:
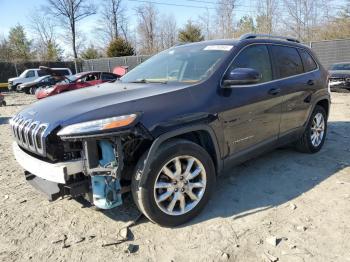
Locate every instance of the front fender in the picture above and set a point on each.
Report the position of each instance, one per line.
(162, 138)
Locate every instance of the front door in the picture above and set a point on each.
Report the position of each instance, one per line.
(252, 112)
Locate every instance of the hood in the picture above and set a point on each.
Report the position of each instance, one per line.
(339, 73)
(12, 79)
(107, 100)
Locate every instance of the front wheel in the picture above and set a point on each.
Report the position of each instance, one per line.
(315, 133)
(179, 185)
(32, 90)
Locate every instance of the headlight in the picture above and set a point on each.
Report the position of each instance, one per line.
(98, 125)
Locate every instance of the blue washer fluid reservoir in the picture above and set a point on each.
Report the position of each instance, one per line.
(106, 190)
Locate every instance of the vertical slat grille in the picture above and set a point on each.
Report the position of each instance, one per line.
(29, 134)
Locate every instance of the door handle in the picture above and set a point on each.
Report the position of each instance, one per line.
(274, 91)
(310, 82)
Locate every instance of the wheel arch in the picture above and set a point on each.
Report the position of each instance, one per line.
(325, 104)
(202, 135)
(323, 101)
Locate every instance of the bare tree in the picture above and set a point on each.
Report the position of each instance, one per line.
(44, 31)
(267, 11)
(5, 49)
(167, 31)
(147, 27)
(205, 23)
(70, 12)
(302, 17)
(224, 18)
(113, 20)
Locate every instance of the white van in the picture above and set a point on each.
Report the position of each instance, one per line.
(30, 75)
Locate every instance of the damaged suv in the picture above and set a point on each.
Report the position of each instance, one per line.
(169, 127)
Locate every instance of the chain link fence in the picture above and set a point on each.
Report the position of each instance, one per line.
(108, 64)
(330, 52)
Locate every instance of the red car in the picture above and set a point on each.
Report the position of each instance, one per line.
(80, 80)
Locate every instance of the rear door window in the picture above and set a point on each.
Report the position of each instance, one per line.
(308, 62)
(255, 57)
(287, 61)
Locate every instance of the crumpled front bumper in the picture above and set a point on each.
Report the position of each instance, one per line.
(53, 180)
(57, 172)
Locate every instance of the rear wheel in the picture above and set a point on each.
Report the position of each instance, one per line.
(179, 185)
(315, 133)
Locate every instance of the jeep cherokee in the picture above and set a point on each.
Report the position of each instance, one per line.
(175, 122)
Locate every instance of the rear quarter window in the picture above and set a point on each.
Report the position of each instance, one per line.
(287, 61)
(308, 62)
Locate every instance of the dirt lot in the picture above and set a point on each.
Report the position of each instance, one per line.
(302, 200)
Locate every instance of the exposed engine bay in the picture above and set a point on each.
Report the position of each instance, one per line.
(107, 163)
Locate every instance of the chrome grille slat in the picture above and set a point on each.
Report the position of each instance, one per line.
(29, 134)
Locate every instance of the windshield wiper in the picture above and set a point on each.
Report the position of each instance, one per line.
(145, 81)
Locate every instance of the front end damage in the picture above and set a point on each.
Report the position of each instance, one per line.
(98, 169)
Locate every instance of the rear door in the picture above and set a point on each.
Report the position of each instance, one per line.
(296, 84)
(252, 114)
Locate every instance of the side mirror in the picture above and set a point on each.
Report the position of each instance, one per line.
(242, 76)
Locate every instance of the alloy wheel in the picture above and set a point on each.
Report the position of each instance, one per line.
(317, 129)
(180, 185)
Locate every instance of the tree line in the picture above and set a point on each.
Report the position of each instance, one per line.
(307, 20)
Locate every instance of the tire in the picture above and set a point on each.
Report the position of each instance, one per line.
(27, 91)
(3, 103)
(185, 207)
(308, 145)
(14, 88)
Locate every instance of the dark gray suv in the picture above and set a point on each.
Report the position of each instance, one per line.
(169, 127)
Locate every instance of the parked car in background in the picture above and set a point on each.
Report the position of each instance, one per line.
(77, 81)
(31, 87)
(2, 100)
(30, 75)
(339, 76)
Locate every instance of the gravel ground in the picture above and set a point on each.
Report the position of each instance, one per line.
(285, 205)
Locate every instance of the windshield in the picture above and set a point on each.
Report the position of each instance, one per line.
(185, 64)
(24, 73)
(340, 67)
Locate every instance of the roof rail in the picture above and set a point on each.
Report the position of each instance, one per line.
(252, 36)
